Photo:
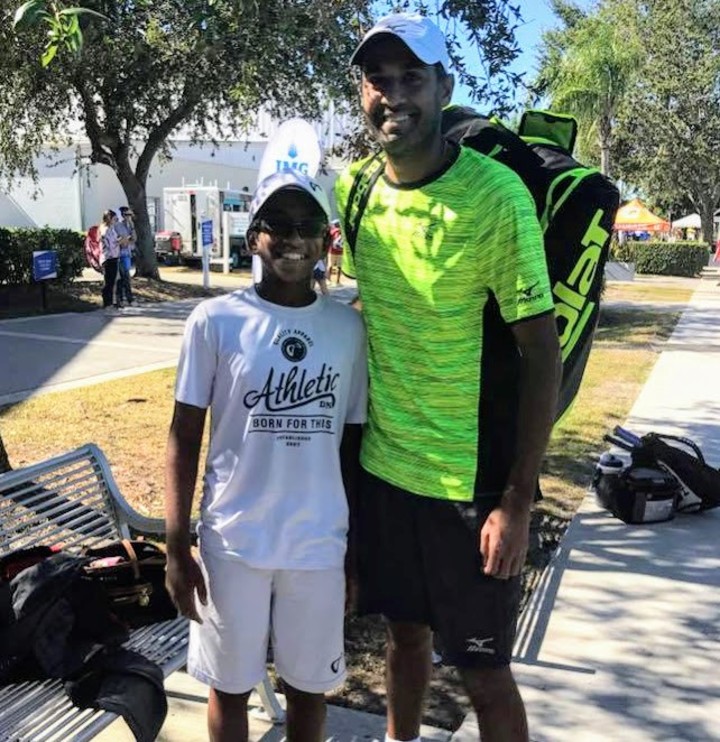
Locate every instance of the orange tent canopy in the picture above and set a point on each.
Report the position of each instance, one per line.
(636, 217)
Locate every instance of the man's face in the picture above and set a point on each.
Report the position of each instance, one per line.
(291, 237)
(402, 98)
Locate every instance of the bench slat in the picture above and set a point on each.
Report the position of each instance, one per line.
(72, 500)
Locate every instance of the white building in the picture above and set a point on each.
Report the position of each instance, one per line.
(72, 194)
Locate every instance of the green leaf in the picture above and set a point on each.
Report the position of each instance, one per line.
(49, 54)
(82, 11)
(28, 13)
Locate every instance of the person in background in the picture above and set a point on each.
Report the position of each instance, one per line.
(319, 277)
(284, 372)
(125, 230)
(109, 257)
(446, 234)
(335, 252)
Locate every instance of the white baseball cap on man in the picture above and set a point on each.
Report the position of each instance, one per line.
(291, 179)
(421, 36)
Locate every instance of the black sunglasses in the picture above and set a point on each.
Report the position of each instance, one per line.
(285, 228)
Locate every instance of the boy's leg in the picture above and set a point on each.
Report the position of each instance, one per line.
(228, 651)
(307, 637)
(227, 716)
(305, 715)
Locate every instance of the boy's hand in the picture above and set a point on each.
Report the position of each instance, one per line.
(351, 594)
(182, 579)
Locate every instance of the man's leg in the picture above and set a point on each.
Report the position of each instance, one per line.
(407, 670)
(496, 699)
(305, 715)
(227, 716)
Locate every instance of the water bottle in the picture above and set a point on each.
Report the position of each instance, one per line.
(607, 478)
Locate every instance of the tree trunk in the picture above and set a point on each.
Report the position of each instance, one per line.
(4, 459)
(145, 261)
(605, 137)
(707, 209)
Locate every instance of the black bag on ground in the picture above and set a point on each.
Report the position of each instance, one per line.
(699, 482)
(636, 494)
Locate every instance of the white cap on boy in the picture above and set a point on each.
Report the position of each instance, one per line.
(421, 36)
(287, 179)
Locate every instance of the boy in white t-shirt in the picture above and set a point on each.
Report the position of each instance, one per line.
(284, 373)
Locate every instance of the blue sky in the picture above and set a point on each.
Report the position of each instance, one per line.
(537, 17)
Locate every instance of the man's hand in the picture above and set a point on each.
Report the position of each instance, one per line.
(183, 578)
(504, 540)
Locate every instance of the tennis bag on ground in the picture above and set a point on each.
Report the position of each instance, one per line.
(576, 208)
(699, 482)
(635, 494)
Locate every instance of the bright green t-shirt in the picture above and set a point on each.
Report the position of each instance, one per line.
(427, 258)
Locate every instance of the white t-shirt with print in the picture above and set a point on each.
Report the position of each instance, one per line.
(281, 382)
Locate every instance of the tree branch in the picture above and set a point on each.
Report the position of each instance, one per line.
(103, 147)
(160, 134)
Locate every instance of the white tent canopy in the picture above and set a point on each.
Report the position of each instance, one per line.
(691, 221)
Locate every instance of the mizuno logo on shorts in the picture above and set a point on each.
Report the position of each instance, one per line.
(478, 645)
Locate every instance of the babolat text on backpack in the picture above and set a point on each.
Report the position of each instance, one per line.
(576, 208)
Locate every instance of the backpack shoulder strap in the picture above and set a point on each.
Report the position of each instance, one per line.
(359, 196)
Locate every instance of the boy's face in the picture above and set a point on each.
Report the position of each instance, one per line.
(402, 97)
(291, 236)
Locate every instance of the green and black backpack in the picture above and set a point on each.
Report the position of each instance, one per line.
(576, 208)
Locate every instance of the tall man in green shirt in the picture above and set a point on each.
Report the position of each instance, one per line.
(442, 531)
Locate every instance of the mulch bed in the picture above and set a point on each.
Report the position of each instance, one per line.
(85, 296)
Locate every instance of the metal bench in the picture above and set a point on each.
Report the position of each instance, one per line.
(73, 500)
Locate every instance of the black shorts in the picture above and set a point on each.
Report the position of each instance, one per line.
(419, 562)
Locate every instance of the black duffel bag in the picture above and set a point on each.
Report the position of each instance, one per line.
(635, 494)
(699, 482)
(132, 575)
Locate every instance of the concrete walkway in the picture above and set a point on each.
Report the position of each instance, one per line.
(55, 352)
(186, 720)
(622, 639)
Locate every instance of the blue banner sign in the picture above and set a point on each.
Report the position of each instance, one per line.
(44, 265)
(206, 229)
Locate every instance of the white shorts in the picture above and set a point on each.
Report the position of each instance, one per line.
(302, 611)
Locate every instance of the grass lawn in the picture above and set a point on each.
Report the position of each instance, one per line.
(129, 417)
(647, 292)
